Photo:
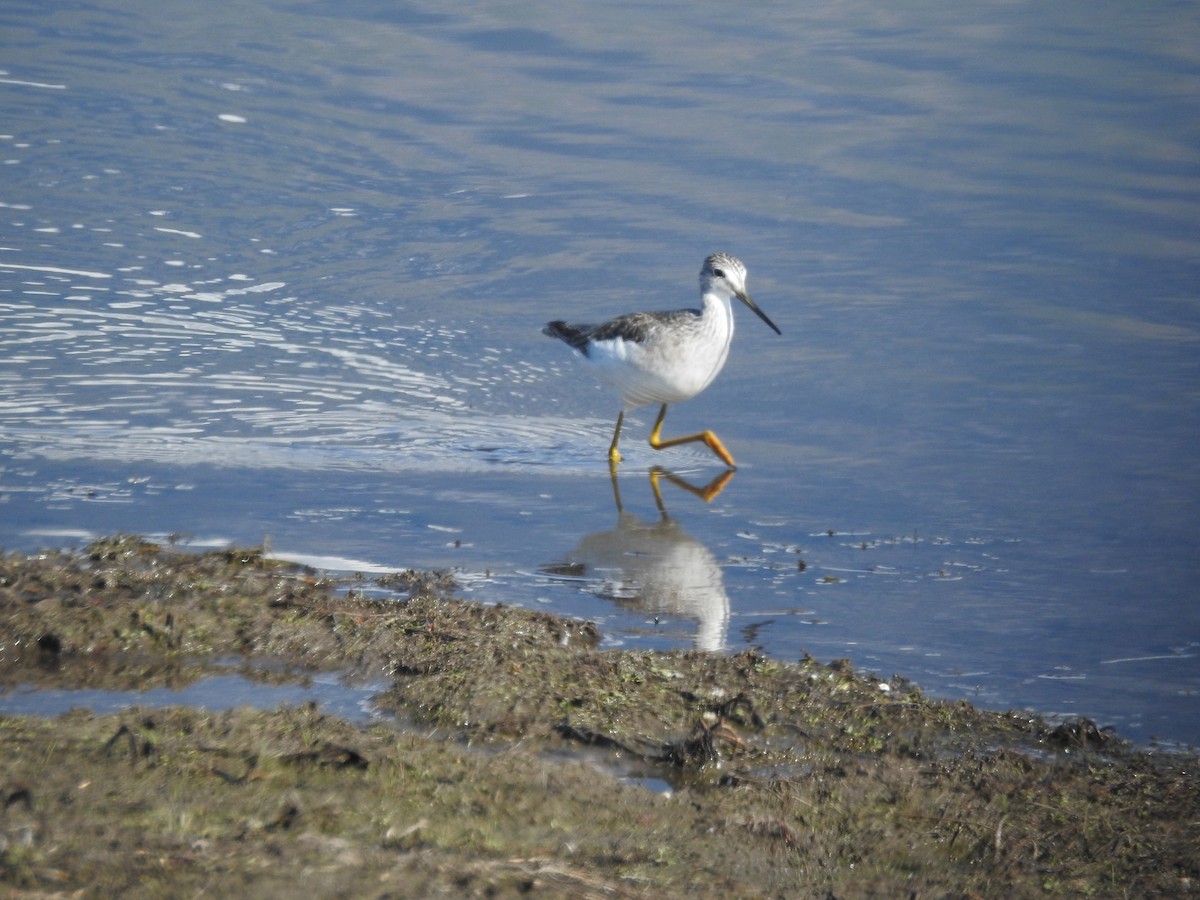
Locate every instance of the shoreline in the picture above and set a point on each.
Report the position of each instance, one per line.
(799, 779)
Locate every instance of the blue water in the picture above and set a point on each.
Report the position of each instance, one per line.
(214, 692)
(278, 273)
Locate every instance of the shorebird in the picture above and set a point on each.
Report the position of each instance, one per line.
(666, 357)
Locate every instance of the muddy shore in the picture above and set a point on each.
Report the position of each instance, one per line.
(506, 769)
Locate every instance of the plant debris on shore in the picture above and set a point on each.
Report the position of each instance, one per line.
(507, 768)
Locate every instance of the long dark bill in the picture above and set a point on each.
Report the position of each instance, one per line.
(745, 298)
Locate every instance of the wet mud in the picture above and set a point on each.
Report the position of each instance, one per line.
(519, 759)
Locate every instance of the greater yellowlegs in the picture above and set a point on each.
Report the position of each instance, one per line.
(666, 357)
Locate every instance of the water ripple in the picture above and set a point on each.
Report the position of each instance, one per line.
(246, 374)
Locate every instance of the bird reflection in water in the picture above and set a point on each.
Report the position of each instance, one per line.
(654, 566)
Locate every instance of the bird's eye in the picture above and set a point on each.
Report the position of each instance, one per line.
(720, 273)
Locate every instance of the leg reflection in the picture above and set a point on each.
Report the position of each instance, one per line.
(708, 493)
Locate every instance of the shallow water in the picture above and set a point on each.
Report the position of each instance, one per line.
(215, 692)
(279, 274)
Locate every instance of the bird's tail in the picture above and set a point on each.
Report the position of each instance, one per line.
(574, 335)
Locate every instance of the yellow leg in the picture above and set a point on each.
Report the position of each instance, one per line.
(710, 440)
(614, 455)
